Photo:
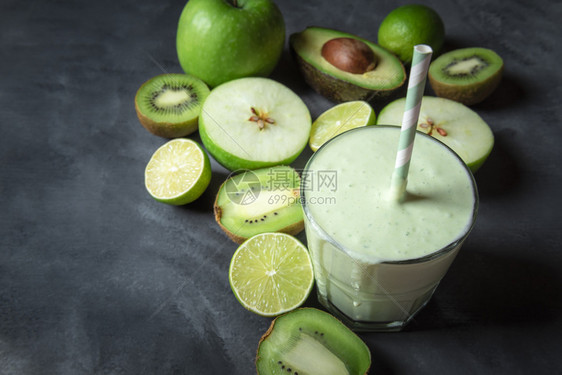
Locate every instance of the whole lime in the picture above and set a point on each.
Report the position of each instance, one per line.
(409, 25)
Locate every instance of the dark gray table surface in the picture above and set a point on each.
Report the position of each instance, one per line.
(98, 278)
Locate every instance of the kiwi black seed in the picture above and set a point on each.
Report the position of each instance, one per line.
(467, 75)
(311, 341)
(169, 105)
(259, 201)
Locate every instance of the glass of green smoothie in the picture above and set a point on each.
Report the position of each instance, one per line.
(377, 261)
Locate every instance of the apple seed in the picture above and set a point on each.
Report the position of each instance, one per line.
(429, 123)
(261, 118)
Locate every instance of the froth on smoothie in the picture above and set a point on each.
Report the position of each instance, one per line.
(438, 208)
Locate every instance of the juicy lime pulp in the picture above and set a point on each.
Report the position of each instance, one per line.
(178, 172)
(271, 273)
(339, 119)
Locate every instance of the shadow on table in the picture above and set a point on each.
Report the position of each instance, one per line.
(205, 202)
(508, 94)
(287, 73)
(379, 361)
(483, 288)
(500, 174)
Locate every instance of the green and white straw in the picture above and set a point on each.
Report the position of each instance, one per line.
(416, 85)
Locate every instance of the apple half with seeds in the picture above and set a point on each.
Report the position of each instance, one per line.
(252, 123)
(452, 123)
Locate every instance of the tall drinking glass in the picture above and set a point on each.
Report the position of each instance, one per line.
(377, 261)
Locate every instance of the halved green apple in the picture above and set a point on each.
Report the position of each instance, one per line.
(453, 123)
(252, 123)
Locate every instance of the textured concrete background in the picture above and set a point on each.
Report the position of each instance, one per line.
(97, 278)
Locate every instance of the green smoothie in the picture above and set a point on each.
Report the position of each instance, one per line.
(378, 260)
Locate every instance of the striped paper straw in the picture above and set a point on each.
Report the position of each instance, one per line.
(416, 85)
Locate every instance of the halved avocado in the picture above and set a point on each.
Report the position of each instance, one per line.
(378, 80)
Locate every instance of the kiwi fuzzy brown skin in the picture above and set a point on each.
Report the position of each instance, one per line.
(337, 90)
(272, 326)
(471, 89)
(292, 229)
(166, 129)
(469, 95)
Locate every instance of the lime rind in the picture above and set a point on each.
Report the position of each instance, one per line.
(178, 162)
(271, 274)
(409, 25)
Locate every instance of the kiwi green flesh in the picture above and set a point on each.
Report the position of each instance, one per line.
(467, 75)
(467, 65)
(246, 206)
(336, 84)
(169, 105)
(308, 341)
(466, 132)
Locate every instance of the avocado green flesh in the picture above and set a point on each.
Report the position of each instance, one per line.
(309, 341)
(388, 73)
(270, 203)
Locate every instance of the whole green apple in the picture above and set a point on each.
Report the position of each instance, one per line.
(221, 40)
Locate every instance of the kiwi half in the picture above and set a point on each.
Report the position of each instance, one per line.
(260, 201)
(168, 105)
(467, 75)
(309, 341)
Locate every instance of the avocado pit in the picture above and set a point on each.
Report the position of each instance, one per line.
(350, 55)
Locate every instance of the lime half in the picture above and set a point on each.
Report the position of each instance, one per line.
(178, 172)
(271, 273)
(339, 119)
